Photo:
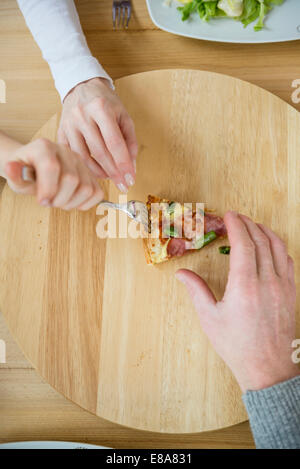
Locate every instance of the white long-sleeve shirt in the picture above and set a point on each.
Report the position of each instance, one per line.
(56, 28)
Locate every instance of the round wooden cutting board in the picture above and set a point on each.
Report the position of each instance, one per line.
(116, 336)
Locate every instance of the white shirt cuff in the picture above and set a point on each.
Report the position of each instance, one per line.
(56, 28)
(74, 71)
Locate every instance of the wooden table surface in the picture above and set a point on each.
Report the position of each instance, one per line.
(29, 408)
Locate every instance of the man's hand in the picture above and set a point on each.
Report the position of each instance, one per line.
(62, 178)
(95, 124)
(253, 326)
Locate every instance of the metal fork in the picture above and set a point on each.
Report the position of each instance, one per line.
(28, 174)
(121, 13)
(134, 209)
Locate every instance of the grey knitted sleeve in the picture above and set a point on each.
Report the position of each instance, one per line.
(274, 415)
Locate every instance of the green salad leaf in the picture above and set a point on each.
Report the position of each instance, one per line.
(188, 9)
(252, 10)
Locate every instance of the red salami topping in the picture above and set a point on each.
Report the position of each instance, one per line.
(191, 220)
(176, 247)
(214, 223)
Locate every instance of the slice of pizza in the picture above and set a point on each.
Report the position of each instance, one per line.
(174, 229)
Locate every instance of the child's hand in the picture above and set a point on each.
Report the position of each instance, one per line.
(95, 122)
(62, 178)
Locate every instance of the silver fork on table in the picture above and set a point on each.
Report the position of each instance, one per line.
(134, 209)
(121, 13)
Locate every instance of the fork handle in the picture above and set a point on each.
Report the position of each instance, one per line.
(122, 207)
(28, 174)
(109, 204)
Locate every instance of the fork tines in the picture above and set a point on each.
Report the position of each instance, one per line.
(121, 13)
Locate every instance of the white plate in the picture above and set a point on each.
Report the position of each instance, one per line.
(49, 445)
(282, 24)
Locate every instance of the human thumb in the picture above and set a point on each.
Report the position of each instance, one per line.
(200, 293)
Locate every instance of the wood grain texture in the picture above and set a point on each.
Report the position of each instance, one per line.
(130, 356)
(141, 48)
(43, 414)
(31, 410)
(29, 83)
(14, 357)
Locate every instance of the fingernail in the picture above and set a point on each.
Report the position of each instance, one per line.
(122, 188)
(45, 202)
(129, 179)
(179, 277)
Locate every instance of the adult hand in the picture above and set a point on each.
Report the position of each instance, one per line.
(253, 326)
(96, 125)
(62, 178)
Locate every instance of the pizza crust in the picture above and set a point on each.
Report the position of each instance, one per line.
(157, 250)
(147, 251)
